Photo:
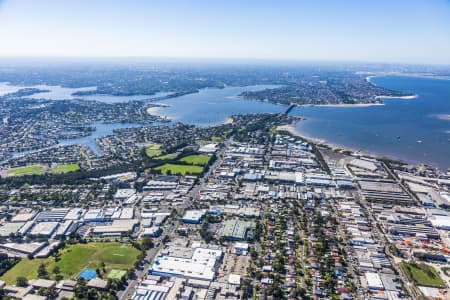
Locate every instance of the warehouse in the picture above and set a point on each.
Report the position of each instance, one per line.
(64, 228)
(241, 248)
(127, 213)
(23, 217)
(151, 232)
(116, 228)
(25, 248)
(440, 222)
(74, 214)
(194, 216)
(236, 230)
(198, 263)
(374, 281)
(363, 164)
(54, 215)
(44, 229)
(157, 185)
(95, 215)
(124, 194)
(408, 230)
(10, 228)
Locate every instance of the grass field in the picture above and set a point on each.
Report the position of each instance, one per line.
(422, 274)
(167, 156)
(27, 170)
(179, 169)
(116, 274)
(153, 150)
(27, 268)
(199, 160)
(59, 169)
(75, 258)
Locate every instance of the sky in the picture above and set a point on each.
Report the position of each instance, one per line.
(400, 31)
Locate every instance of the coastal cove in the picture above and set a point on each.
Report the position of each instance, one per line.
(412, 130)
(213, 106)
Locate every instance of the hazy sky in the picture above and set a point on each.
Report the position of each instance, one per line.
(362, 30)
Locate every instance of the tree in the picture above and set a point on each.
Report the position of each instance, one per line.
(47, 292)
(42, 271)
(81, 290)
(21, 281)
(147, 243)
(56, 270)
(59, 277)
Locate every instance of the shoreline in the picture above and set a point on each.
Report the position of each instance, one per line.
(292, 129)
(410, 97)
(348, 105)
(153, 111)
(369, 79)
(412, 75)
(229, 120)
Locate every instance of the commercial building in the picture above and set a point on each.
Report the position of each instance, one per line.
(24, 248)
(208, 148)
(75, 214)
(10, 228)
(241, 248)
(363, 164)
(23, 217)
(45, 229)
(116, 228)
(237, 230)
(374, 281)
(124, 194)
(151, 231)
(440, 222)
(54, 215)
(194, 216)
(198, 263)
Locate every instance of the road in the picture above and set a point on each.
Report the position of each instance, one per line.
(170, 227)
(380, 236)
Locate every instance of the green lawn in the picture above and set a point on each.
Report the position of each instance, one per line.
(116, 274)
(75, 258)
(27, 170)
(25, 267)
(422, 274)
(59, 169)
(199, 160)
(217, 139)
(153, 150)
(167, 156)
(180, 169)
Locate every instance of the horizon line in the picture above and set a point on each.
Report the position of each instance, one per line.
(219, 59)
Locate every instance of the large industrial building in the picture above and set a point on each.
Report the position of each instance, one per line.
(197, 263)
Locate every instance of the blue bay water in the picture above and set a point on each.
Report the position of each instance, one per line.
(209, 106)
(410, 130)
(101, 130)
(212, 106)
